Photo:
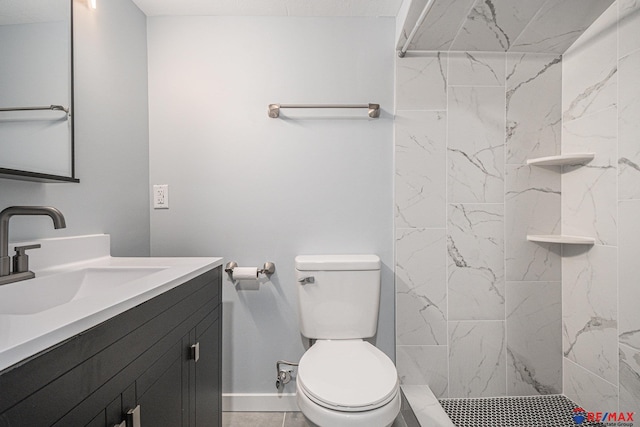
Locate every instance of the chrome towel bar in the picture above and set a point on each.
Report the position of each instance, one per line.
(50, 107)
(374, 109)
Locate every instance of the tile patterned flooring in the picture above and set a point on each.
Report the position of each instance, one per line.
(517, 411)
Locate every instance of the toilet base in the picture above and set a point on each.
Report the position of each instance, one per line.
(383, 416)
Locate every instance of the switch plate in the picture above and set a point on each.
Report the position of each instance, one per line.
(161, 196)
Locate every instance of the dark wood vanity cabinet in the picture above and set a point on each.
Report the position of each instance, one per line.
(143, 358)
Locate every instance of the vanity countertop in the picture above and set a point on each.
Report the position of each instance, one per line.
(70, 295)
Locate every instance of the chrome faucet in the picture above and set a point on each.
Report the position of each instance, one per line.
(20, 260)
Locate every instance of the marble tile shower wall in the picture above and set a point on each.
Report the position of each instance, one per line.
(478, 307)
(601, 292)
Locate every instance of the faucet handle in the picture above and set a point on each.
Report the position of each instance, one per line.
(20, 249)
(21, 259)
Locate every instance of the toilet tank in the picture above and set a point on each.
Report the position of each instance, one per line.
(338, 295)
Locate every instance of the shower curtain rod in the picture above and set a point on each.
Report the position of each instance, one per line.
(413, 32)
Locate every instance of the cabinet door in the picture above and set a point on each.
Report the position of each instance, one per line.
(159, 391)
(138, 357)
(208, 411)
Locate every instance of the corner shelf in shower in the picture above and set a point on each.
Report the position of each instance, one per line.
(561, 238)
(562, 159)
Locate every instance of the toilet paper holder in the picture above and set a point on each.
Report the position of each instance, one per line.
(268, 268)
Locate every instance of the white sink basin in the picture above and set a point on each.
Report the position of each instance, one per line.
(78, 285)
(42, 293)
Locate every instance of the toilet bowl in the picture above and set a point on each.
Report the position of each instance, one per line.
(343, 380)
(347, 383)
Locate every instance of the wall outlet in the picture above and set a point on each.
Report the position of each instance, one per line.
(161, 196)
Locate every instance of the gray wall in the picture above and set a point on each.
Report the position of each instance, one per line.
(254, 189)
(111, 123)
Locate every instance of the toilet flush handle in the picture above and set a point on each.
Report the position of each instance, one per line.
(306, 279)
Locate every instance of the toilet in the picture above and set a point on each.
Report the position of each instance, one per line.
(343, 380)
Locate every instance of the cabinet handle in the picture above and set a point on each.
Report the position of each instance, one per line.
(195, 351)
(133, 417)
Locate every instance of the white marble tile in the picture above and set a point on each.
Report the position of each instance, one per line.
(558, 24)
(628, 26)
(532, 206)
(629, 272)
(534, 104)
(437, 31)
(475, 245)
(424, 365)
(426, 407)
(421, 81)
(476, 132)
(596, 133)
(420, 184)
(629, 380)
(534, 338)
(477, 365)
(493, 25)
(421, 294)
(476, 68)
(629, 126)
(588, 390)
(413, 13)
(589, 192)
(589, 309)
(589, 69)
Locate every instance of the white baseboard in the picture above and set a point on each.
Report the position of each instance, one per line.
(254, 402)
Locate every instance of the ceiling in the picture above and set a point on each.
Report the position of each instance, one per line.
(270, 7)
(548, 26)
(545, 26)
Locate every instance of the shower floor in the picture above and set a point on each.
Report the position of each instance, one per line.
(530, 411)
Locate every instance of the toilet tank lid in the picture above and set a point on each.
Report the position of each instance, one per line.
(337, 262)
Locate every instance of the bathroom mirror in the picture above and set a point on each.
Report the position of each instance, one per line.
(36, 90)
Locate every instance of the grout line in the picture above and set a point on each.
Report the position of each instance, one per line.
(618, 194)
(394, 232)
(446, 221)
(475, 203)
(562, 337)
(565, 358)
(504, 226)
(474, 86)
(631, 348)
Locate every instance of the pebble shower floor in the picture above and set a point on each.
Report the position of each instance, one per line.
(530, 411)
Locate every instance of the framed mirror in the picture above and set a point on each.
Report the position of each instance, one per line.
(36, 90)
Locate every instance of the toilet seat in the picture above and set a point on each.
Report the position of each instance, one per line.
(347, 375)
